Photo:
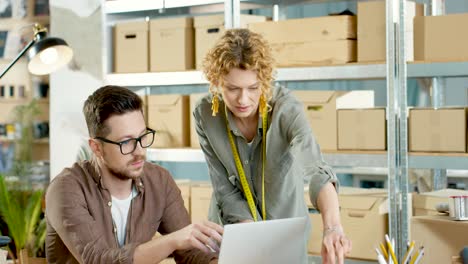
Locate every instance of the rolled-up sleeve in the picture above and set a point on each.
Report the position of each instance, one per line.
(67, 214)
(231, 202)
(306, 150)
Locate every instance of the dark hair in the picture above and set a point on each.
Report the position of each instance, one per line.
(105, 102)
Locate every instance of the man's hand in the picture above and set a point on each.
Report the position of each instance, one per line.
(203, 235)
(335, 245)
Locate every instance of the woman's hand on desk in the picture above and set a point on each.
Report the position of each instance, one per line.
(335, 245)
(203, 235)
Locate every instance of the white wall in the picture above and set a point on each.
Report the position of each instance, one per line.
(80, 26)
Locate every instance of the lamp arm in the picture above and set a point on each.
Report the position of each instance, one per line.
(28, 46)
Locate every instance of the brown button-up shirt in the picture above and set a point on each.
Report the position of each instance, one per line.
(79, 220)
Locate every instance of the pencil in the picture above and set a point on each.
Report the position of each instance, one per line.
(390, 250)
(407, 256)
(415, 256)
(384, 250)
(421, 254)
(380, 258)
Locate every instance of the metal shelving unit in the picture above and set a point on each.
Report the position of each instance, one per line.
(396, 70)
(351, 71)
(337, 159)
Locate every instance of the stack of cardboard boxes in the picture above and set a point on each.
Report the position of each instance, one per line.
(364, 218)
(197, 198)
(169, 116)
(310, 41)
(345, 120)
(441, 236)
(179, 44)
(174, 44)
(371, 30)
(339, 121)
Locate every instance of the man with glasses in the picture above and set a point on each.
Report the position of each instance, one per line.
(108, 209)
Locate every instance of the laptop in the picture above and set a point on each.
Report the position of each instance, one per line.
(273, 241)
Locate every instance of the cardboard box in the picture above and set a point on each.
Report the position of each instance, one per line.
(441, 237)
(194, 98)
(208, 29)
(185, 190)
(168, 115)
(438, 130)
(360, 209)
(318, 40)
(425, 203)
(43, 107)
(131, 47)
(362, 129)
(457, 260)
(371, 31)
(7, 108)
(171, 44)
(320, 108)
(40, 151)
(200, 201)
(436, 38)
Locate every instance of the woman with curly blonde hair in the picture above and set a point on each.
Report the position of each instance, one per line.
(259, 146)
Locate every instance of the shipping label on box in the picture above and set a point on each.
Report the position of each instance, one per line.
(320, 108)
(441, 237)
(362, 129)
(194, 98)
(438, 130)
(436, 38)
(371, 30)
(208, 29)
(200, 201)
(169, 116)
(171, 44)
(131, 47)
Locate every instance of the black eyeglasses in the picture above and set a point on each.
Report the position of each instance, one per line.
(129, 145)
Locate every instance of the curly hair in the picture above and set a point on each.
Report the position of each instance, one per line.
(243, 49)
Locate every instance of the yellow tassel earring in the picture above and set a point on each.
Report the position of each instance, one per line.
(262, 105)
(214, 104)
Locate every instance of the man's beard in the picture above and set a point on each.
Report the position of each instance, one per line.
(124, 174)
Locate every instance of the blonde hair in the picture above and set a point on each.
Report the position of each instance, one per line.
(243, 49)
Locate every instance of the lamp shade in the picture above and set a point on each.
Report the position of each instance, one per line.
(48, 55)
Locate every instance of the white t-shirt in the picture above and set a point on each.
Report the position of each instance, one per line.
(119, 212)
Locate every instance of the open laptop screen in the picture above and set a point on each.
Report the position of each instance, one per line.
(274, 241)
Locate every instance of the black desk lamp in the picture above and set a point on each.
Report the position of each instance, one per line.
(46, 54)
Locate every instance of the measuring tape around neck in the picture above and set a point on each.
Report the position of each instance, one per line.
(240, 168)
